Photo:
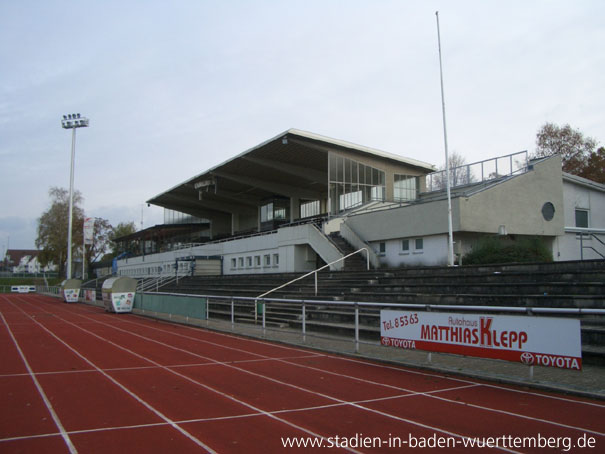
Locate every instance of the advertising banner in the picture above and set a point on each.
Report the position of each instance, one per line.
(89, 226)
(540, 341)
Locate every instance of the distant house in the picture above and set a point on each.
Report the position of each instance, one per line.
(25, 261)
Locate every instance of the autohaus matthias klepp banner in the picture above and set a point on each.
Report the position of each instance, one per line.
(540, 341)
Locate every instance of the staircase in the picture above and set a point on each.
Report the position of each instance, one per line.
(354, 263)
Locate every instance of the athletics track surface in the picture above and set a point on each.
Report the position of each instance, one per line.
(76, 379)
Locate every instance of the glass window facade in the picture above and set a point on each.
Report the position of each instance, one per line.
(277, 209)
(176, 217)
(405, 188)
(309, 209)
(353, 183)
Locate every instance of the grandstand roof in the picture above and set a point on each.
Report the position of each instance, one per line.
(291, 164)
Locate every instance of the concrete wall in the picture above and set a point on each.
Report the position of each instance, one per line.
(581, 194)
(517, 203)
(434, 252)
(407, 221)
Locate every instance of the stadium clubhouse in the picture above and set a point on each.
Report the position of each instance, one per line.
(299, 201)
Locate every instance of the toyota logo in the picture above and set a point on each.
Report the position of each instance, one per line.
(527, 358)
(386, 341)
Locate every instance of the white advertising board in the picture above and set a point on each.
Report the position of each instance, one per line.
(71, 295)
(540, 341)
(118, 302)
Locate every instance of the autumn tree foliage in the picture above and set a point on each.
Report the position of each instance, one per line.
(52, 228)
(578, 153)
(52, 232)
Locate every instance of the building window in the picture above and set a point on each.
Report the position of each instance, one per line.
(582, 218)
(419, 244)
(249, 262)
(405, 188)
(275, 259)
(353, 183)
(257, 260)
(241, 262)
(267, 260)
(405, 246)
(382, 248)
(309, 209)
(233, 263)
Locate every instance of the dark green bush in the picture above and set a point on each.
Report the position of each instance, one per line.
(495, 250)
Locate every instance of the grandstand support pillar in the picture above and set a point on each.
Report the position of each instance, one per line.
(294, 208)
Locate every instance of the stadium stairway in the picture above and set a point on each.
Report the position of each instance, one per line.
(578, 284)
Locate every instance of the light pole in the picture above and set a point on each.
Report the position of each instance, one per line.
(72, 121)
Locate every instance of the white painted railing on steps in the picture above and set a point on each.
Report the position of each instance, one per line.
(308, 274)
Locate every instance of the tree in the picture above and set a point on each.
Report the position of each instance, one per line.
(458, 173)
(122, 229)
(576, 150)
(594, 168)
(101, 241)
(53, 226)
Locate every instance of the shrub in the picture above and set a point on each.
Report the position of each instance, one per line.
(495, 250)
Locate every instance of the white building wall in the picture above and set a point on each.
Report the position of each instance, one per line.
(285, 251)
(433, 251)
(584, 195)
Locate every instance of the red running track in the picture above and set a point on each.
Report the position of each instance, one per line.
(76, 379)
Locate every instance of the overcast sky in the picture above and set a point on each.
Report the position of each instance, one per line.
(172, 88)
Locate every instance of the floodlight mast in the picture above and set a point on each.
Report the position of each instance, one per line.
(450, 241)
(72, 121)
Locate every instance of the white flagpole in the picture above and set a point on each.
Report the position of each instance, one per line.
(450, 249)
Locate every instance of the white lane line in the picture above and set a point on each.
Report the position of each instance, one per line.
(227, 396)
(480, 407)
(112, 369)
(68, 442)
(402, 368)
(124, 388)
(361, 407)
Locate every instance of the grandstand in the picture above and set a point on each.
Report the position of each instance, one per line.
(299, 201)
(376, 223)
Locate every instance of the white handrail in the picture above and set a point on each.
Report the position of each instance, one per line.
(316, 271)
(304, 276)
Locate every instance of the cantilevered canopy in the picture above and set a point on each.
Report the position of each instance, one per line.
(291, 164)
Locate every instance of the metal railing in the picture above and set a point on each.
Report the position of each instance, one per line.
(304, 276)
(155, 283)
(480, 171)
(318, 270)
(582, 246)
(238, 309)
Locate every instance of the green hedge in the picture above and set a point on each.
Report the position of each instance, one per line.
(496, 250)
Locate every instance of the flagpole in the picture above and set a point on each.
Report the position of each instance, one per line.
(450, 248)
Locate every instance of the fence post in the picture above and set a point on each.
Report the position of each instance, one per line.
(356, 328)
(232, 315)
(207, 310)
(264, 310)
(304, 322)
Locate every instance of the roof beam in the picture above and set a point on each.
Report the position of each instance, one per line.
(299, 171)
(270, 186)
